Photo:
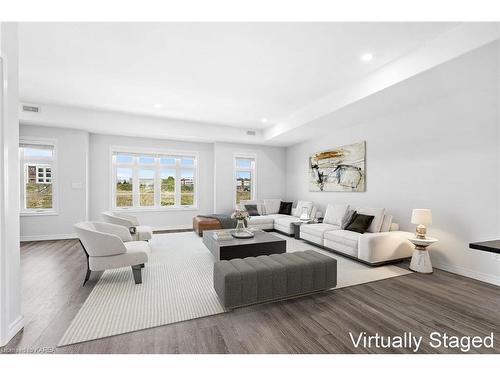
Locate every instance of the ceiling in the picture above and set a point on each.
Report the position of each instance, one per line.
(221, 73)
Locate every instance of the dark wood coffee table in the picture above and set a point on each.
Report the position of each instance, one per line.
(263, 243)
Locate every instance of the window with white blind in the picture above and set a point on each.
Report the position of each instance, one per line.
(151, 181)
(38, 176)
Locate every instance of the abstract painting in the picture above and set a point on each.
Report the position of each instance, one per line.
(338, 169)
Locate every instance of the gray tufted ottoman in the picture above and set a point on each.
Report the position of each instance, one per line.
(240, 282)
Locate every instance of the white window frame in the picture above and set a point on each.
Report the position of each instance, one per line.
(253, 173)
(157, 167)
(54, 176)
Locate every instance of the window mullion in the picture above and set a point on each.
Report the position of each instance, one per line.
(114, 195)
(135, 182)
(157, 183)
(177, 182)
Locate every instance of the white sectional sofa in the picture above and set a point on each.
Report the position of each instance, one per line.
(270, 219)
(382, 243)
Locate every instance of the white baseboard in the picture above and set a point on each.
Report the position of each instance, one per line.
(48, 237)
(467, 272)
(173, 227)
(13, 329)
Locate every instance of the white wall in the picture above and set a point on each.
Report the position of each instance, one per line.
(100, 181)
(270, 182)
(440, 152)
(72, 153)
(11, 319)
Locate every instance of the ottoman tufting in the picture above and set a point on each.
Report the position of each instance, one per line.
(240, 282)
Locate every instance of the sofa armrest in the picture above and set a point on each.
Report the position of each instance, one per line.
(384, 246)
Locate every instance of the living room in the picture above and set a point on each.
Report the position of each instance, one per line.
(233, 190)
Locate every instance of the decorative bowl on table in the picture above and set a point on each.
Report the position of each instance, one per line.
(242, 233)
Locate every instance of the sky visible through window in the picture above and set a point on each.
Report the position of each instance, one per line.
(37, 152)
(124, 159)
(146, 174)
(243, 163)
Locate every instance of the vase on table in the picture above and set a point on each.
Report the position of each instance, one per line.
(240, 226)
(241, 230)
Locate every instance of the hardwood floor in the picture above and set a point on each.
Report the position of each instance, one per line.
(53, 273)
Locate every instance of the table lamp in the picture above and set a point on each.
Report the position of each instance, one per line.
(421, 217)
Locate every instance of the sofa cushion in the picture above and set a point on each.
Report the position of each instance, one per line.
(301, 205)
(285, 208)
(286, 220)
(318, 229)
(335, 214)
(276, 216)
(378, 214)
(272, 206)
(344, 237)
(258, 220)
(284, 224)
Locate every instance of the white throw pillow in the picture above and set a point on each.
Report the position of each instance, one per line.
(386, 223)
(335, 213)
(378, 214)
(301, 205)
(272, 206)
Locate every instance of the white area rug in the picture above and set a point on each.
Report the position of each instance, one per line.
(177, 285)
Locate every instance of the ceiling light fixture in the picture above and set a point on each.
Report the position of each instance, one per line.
(158, 106)
(263, 120)
(366, 57)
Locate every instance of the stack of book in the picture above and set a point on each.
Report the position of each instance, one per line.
(222, 235)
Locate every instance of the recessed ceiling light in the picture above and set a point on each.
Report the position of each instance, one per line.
(366, 57)
(263, 120)
(158, 106)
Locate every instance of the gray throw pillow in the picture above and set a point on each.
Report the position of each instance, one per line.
(252, 209)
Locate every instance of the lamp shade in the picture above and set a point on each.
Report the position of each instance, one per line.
(421, 216)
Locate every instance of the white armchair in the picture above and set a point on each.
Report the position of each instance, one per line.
(141, 232)
(109, 246)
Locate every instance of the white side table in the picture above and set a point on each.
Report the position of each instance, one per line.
(421, 261)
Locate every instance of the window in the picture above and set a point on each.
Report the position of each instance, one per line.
(244, 178)
(154, 181)
(37, 170)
